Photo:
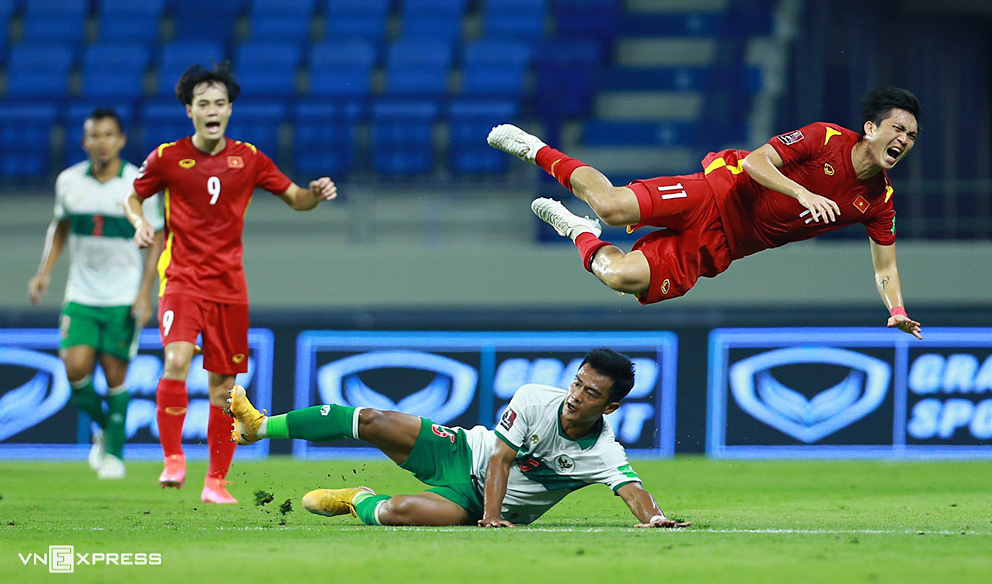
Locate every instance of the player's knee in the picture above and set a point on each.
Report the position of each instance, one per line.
(399, 510)
(613, 208)
(176, 365)
(624, 277)
(369, 418)
(76, 370)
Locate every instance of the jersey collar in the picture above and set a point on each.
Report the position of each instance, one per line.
(89, 169)
(587, 441)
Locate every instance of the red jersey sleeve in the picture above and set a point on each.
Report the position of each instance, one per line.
(151, 175)
(801, 144)
(269, 177)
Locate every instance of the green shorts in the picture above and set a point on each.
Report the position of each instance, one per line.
(441, 458)
(108, 329)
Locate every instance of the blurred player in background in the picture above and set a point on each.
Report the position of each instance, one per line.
(208, 181)
(549, 443)
(800, 184)
(108, 294)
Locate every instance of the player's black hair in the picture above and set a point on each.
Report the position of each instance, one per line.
(102, 113)
(614, 365)
(878, 103)
(197, 74)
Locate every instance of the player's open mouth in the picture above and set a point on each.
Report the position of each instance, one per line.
(892, 154)
(213, 125)
(570, 407)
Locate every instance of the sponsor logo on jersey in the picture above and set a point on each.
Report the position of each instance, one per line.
(791, 138)
(238, 358)
(534, 439)
(827, 169)
(509, 416)
(563, 463)
(809, 419)
(666, 286)
(187, 163)
(235, 162)
(861, 204)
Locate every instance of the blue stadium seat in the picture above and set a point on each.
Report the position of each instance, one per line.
(469, 122)
(418, 67)
(402, 136)
(176, 56)
(132, 21)
(324, 137)
(197, 20)
(75, 115)
(268, 69)
(278, 21)
(162, 121)
(597, 20)
(365, 19)
(495, 68)
(444, 27)
(39, 70)
(342, 68)
(59, 21)
(565, 75)
(25, 139)
(257, 122)
(514, 18)
(433, 8)
(111, 70)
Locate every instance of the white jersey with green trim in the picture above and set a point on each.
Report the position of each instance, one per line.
(106, 265)
(549, 464)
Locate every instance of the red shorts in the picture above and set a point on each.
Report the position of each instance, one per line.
(693, 244)
(224, 326)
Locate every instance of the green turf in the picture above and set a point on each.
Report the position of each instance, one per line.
(806, 522)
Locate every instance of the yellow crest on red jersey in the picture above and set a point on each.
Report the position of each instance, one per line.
(235, 162)
(187, 163)
(827, 169)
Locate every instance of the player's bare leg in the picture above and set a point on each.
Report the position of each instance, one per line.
(422, 509)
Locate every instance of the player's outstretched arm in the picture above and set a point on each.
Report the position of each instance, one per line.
(496, 476)
(55, 238)
(883, 258)
(644, 508)
(322, 189)
(763, 166)
(144, 235)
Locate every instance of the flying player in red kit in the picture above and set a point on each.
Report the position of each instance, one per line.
(800, 184)
(207, 181)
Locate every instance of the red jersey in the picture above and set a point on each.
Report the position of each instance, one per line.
(206, 198)
(818, 157)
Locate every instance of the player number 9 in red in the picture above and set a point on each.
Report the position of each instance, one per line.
(167, 319)
(213, 187)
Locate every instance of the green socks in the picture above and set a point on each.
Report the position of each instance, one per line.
(85, 397)
(117, 401)
(315, 424)
(365, 506)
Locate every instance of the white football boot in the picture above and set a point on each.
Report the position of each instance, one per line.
(566, 223)
(513, 140)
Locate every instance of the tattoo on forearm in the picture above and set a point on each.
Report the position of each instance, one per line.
(883, 282)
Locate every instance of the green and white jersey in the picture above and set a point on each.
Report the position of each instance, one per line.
(106, 265)
(549, 464)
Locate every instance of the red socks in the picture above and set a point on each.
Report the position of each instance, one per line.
(172, 401)
(219, 439)
(558, 165)
(588, 245)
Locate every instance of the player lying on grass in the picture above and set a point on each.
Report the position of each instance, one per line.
(549, 442)
(816, 179)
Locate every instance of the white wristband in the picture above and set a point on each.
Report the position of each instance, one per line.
(658, 518)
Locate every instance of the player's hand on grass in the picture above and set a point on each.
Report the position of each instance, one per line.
(498, 522)
(324, 189)
(906, 325)
(37, 286)
(662, 521)
(819, 207)
(144, 235)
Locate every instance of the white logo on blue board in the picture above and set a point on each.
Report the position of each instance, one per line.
(445, 398)
(38, 399)
(809, 420)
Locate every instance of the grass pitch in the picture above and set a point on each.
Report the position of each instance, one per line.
(787, 521)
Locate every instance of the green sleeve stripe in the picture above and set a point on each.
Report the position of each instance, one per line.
(507, 440)
(101, 226)
(616, 488)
